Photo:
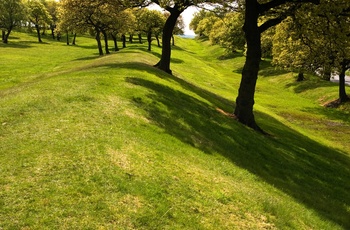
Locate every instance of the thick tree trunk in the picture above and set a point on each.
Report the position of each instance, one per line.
(37, 27)
(164, 63)
(99, 44)
(342, 92)
(3, 35)
(124, 40)
(245, 99)
(106, 41)
(114, 37)
(149, 40)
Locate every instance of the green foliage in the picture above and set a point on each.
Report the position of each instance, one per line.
(228, 32)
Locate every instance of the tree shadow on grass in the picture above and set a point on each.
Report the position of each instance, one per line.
(309, 83)
(315, 175)
(19, 45)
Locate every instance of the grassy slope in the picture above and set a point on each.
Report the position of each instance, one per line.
(111, 142)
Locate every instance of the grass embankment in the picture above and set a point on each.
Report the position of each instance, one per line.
(110, 142)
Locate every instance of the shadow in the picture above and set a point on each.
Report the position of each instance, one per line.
(267, 70)
(19, 45)
(87, 58)
(229, 56)
(309, 83)
(158, 55)
(315, 175)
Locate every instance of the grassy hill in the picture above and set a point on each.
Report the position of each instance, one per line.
(110, 142)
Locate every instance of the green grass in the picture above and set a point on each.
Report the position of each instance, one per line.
(110, 142)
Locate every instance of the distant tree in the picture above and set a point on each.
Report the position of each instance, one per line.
(317, 39)
(149, 22)
(228, 32)
(124, 22)
(52, 8)
(12, 12)
(197, 17)
(38, 15)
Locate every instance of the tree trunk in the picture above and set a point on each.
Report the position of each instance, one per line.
(124, 40)
(3, 35)
(114, 37)
(67, 38)
(149, 39)
(164, 63)
(104, 33)
(342, 92)
(37, 27)
(173, 39)
(99, 45)
(157, 38)
(301, 76)
(245, 98)
(74, 38)
(131, 37)
(6, 35)
(52, 28)
(140, 38)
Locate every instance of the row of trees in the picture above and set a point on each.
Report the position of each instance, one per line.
(103, 19)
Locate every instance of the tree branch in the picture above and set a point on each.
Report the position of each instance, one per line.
(275, 3)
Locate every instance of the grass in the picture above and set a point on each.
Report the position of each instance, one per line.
(110, 142)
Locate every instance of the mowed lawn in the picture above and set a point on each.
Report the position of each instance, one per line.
(89, 142)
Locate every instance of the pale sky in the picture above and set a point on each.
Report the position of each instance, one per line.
(187, 16)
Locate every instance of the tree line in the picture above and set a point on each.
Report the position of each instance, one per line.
(302, 35)
(101, 19)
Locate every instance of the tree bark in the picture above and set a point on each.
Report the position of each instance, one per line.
(246, 92)
(131, 37)
(124, 40)
(6, 35)
(37, 27)
(149, 40)
(114, 37)
(104, 33)
(67, 36)
(99, 45)
(164, 63)
(157, 38)
(342, 92)
(74, 38)
(300, 76)
(140, 38)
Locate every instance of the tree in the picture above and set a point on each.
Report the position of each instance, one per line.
(12, 12)
(149, 22)
(38, 15)
(316, 40)
(124, 22)
(179, 28)
(52, 8)
(228, 32)
(253, 28)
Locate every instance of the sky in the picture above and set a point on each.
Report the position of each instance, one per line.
(187, 16)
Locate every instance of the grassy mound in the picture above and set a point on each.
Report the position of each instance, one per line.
(111, 142)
